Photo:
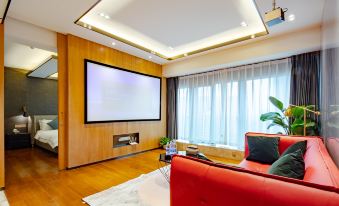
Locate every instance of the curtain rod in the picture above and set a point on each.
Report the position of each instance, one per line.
(244, 65)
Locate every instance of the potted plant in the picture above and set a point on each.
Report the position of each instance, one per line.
(164, 141)
(293, 119)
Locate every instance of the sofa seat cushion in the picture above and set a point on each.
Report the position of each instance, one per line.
(254, 166)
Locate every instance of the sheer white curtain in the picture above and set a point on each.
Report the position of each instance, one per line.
(219, 107)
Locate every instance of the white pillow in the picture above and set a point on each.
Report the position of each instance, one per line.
(44, 125)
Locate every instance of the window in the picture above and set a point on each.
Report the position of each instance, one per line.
(219, 107)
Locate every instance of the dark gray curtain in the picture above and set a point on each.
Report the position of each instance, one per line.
(305, 80)
(172, 90)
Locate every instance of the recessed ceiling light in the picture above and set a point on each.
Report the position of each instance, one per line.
(252, 36)
(89, 27)
(291, 17)
(150, 57)
(244, 24)
(85, 25)
(153, 52)
(185, 54)
(113, 43)
(107, 17)
(102, 14)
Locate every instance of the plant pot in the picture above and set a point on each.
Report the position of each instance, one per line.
(164, 146)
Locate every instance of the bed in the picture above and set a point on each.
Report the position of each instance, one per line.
(46, 139)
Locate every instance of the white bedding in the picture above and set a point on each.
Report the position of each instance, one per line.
(48, 136)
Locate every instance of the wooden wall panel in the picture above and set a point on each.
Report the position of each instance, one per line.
(62, 100)
(2, 124)
(91, 143)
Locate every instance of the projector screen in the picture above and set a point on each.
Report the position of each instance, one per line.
(114, 95)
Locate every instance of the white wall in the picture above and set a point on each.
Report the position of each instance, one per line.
(285, 45)
(29, 34)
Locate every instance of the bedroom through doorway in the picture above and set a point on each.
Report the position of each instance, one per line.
(31, 110)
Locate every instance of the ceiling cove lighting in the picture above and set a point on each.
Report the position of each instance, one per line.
(154, 35)
(45, 70)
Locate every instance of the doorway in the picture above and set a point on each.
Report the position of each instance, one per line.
(31, 110)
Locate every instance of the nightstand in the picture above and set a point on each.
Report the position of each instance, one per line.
(16, 141)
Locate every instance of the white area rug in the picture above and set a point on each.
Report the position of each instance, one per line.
(150, 189)
(3, 199)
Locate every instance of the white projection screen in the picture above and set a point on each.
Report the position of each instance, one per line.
(116, 95)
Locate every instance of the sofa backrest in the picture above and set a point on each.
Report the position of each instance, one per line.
(284, 143)
(319, 167)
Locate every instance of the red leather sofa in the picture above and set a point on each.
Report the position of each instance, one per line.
(197, 182)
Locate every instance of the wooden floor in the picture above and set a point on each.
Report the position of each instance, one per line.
(32, 176)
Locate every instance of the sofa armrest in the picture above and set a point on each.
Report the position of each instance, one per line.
(195, 182)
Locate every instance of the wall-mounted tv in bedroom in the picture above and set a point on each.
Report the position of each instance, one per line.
(114, 94)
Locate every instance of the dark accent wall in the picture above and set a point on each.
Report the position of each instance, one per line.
(39, 95)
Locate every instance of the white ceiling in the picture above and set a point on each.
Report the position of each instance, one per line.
(180, 28)
(20, 56)
(307, 13)
(3, 6)
(60, 16)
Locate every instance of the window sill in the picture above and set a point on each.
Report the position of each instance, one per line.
(211, 145)
(223, 151)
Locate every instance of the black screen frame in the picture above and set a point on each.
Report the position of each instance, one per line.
(121, 69)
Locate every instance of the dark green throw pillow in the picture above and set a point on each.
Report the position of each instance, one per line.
(53, 124)
(263, 149)
(291, 165)
(302, 145)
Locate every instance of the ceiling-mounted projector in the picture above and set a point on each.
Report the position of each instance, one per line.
(276, 16)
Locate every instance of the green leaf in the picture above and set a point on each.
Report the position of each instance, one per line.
(310, 124)
(298, 131)
(310, 107)
(297, 123)
(272, 125)
(280, 122)
(269, 116)
(277, 103)
(297, 112)
(164, 140)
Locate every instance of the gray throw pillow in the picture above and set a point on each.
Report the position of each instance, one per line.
(263, 149)
(302, 145)
(291, 165)
(54, 124)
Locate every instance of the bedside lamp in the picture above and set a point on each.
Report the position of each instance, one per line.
(25, 113)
